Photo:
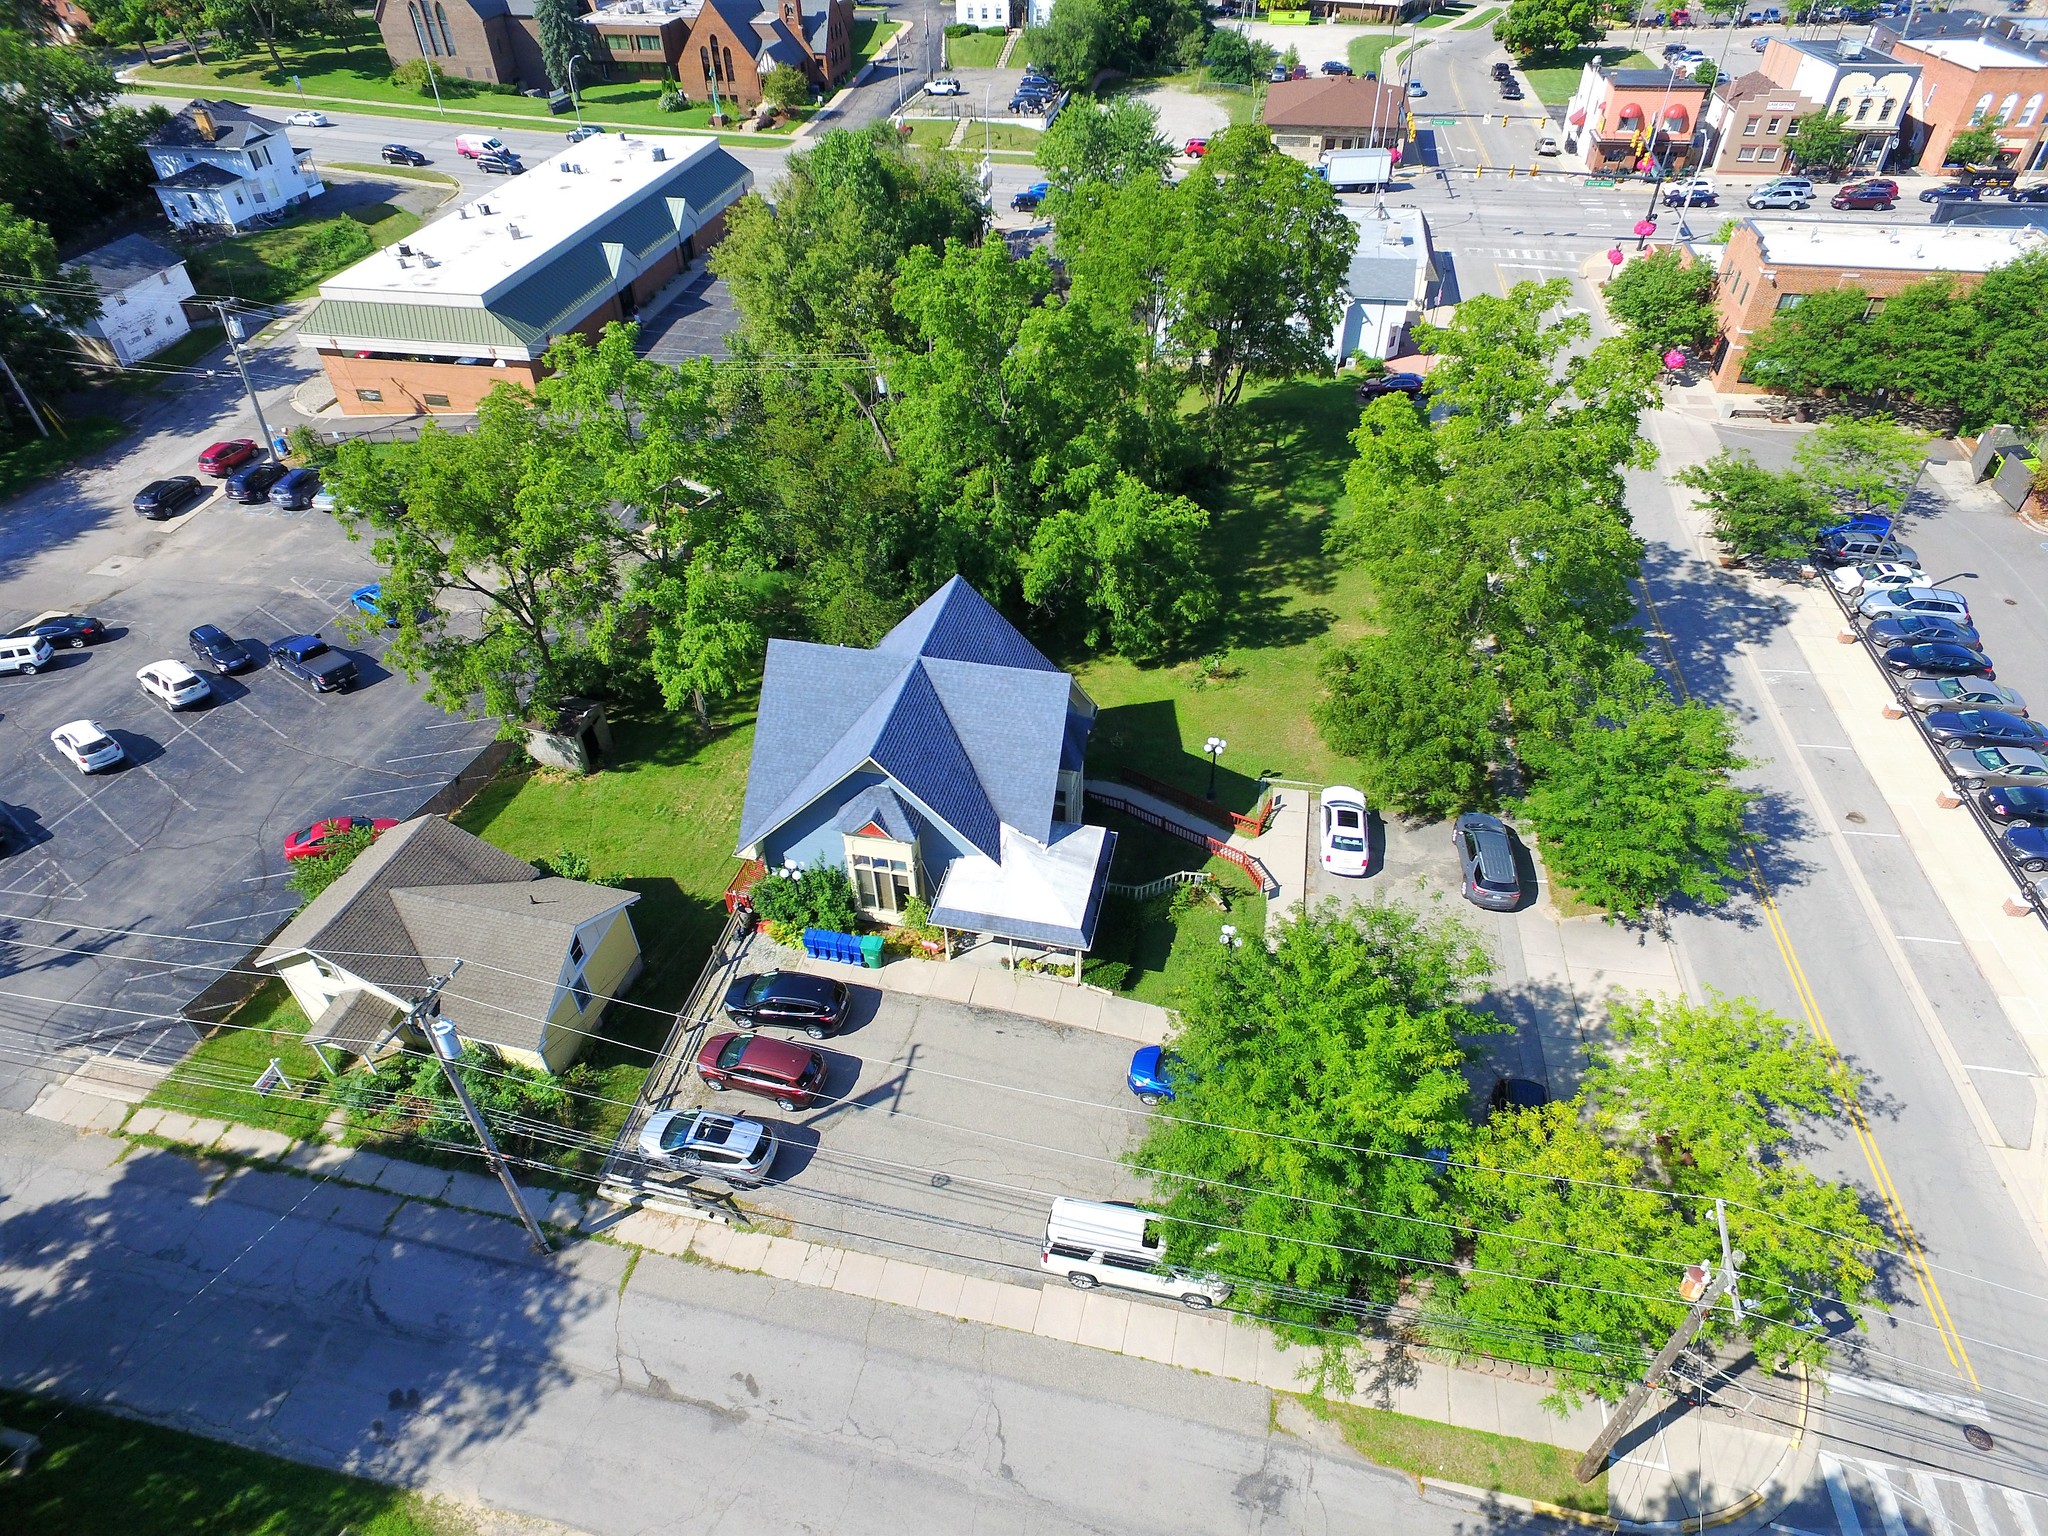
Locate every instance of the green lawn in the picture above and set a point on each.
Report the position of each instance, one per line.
(1473, 1457)
(284, 263)
(871, 33)
(216, 1080)
(1000, 136)
(1283, 599)
(977, 52)
(26, 459)
(105, 1474)
(1365, 52)
(1158, 941)
(1553, 77)
(408, 172)
(930, 132)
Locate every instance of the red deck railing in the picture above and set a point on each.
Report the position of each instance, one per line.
(1261, 876)
(750, 873)
(1253, 825)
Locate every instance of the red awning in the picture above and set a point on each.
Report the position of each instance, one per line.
(1578, 118)
(1674, 113)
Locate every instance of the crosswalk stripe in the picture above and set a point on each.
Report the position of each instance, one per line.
(1931, 1505)
(2022, 1516)
(1980, 1508)
(1838, 1495)
(1887, 1499)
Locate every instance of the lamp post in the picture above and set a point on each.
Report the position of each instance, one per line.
(574, 60)
(1214, 747)
(1954, 576)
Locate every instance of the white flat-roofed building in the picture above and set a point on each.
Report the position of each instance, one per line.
(1387, 286)
(582, 239)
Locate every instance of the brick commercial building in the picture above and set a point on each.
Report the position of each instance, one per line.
(706, 46)
(1771, 265)
(1870, 89)
(477, 296)
(1619, 120)
(1747, 122)
(1971, 81)
(1310, 118)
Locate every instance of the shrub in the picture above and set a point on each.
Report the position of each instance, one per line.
(309, 877)
(421, 75)
(961, 29)
(566, 864)
(995, 31)
(818, 897)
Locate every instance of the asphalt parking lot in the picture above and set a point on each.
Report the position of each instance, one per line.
(181, 846)
(948, 1130)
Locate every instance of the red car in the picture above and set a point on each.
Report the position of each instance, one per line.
(1196, 148)
(792, 1075)
(224, 458)
(314, 841)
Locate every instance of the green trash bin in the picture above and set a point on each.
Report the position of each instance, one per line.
(871, 950)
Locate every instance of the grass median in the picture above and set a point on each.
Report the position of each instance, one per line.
(1497, 1463)
(100, 1473)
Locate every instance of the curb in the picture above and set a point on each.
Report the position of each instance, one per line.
(1750, 1503)
(1487, 1498)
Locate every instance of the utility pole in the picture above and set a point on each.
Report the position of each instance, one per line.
(22, 394)
(228, 324)
(447, 1048)
(1721, 1284)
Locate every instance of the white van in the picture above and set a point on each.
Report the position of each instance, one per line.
(27, 653)
(1094, 1242)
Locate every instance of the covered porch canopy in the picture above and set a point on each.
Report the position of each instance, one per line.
(1047, 895)
(357, 1023)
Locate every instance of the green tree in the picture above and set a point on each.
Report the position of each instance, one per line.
(1636, 806)
(1975, 145)
(1115, 141)
(2009, 379)
(1236, 59)
(1667, 299)
(100, 165)
(1862, 463)
(1420, 713)
(787, 87)
(562, 38)
(45, 298)
(1698, 1101)
(1821, 141)
(1819, 345)
(1307, 1064)
(1758, 513)
(309, 877)
(1074, 44)
(1542, 27)
(508, 519)
(1129, 566)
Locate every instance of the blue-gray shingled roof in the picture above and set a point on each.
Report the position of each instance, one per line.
(878, 805)
(956, 707)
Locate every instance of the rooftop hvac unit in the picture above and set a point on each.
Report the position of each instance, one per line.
(404, 250)
(660, 153)
(462, 213)
(483, 208)
(512, 230)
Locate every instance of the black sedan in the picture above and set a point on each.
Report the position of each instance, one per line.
(220, 650)
(814, 1004)
(402, 154)
(64, 631)
(1410, 384)
(1911, 628)
(161, 499)
(1937, 658)
(2037, 193)
(2015, 805)
(1985, 728)
(2028, 847)
(1954, 192)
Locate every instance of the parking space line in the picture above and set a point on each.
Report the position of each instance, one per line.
(413, 757)
(88, 800)
(167, 790)
(245, 709)
(372, 794)
(449, 725)
(1859, 832)
(259, 879)
(246, 917)
(1914, 938)
(2002, 1071)
(192, 731)
(287, 623)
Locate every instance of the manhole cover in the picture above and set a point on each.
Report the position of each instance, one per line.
(2012, 602)
(1980, 1438)
(1856, 816)
(941, 1180)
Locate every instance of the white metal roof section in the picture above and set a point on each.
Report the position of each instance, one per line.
(478, 251)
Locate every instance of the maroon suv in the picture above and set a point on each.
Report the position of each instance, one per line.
(1879, 194)
(792, 1075)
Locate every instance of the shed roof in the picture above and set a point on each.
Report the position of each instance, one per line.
(122, 263)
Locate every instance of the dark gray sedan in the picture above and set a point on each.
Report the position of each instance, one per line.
(1912, 628)
(1985, 728)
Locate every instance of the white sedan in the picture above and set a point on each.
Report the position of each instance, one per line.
(306, 117)
(86, 746)
(173, 684)
(1346, 848)
(1876, 576)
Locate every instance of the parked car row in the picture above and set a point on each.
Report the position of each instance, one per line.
(1489, 873)
(1923, 636)
(246, 476)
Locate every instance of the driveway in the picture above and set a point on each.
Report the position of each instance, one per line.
(949, 1130)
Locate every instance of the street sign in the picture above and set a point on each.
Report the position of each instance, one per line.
(1443, 122)
(1599, 181)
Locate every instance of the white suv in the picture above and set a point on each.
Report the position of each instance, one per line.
(1785, 192)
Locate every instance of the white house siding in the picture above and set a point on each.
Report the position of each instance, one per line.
(141, 320)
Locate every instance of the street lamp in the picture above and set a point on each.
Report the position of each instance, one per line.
(574, 60)
(1954, 576)
(1214, 747)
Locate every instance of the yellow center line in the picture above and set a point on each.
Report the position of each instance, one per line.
(1809, 1004)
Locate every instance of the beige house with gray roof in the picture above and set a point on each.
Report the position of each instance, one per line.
(540, 956)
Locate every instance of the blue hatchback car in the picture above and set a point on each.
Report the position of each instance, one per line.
(296, 490)
(1152, 1072)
